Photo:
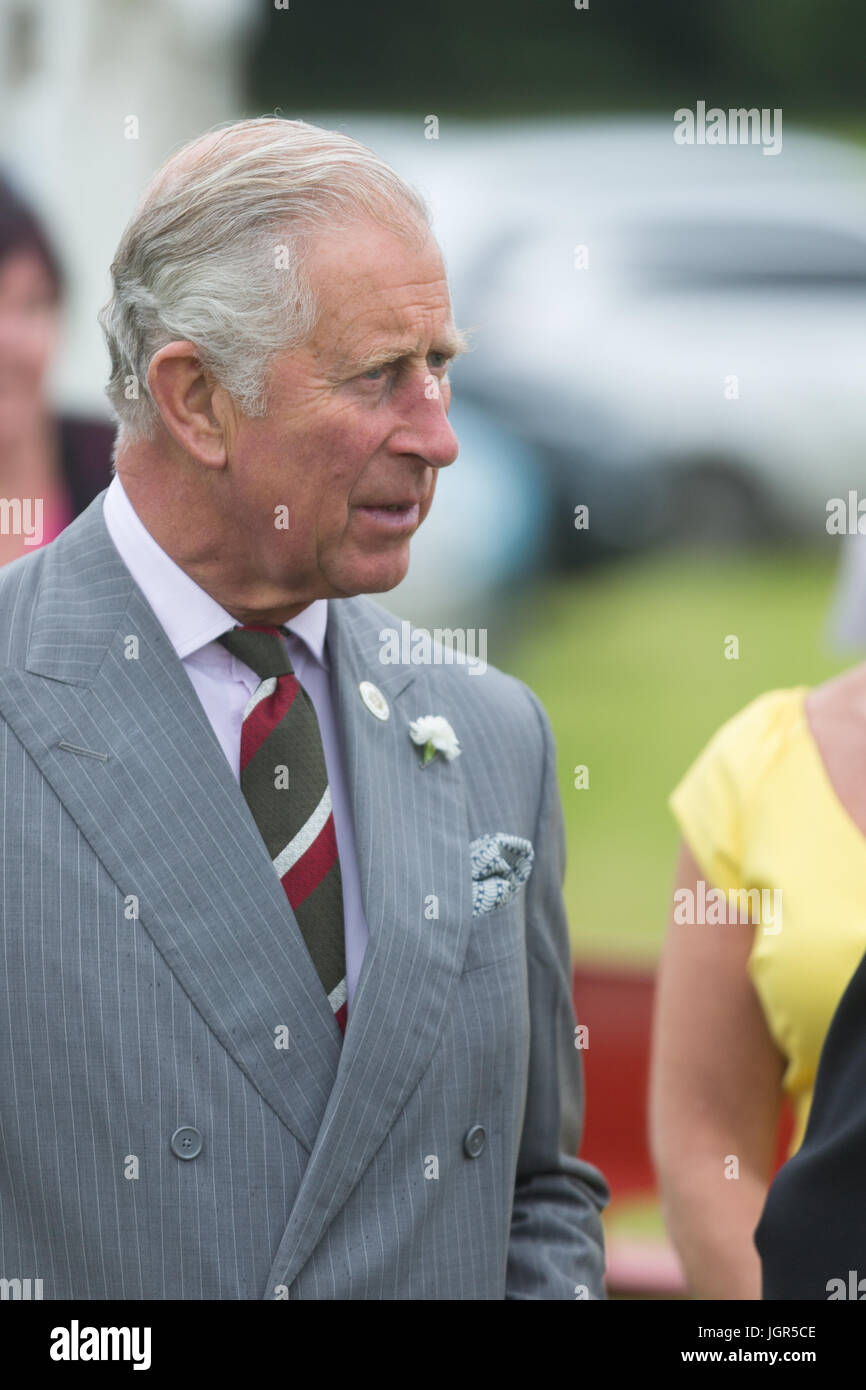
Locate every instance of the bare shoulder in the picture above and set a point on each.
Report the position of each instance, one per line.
(836, 716)
(839, 703)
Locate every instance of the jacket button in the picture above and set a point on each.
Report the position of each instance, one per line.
(186, 1142)
(474, 1141)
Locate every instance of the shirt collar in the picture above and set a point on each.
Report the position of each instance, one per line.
(190, 617)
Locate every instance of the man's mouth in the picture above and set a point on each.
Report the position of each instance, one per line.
(392, 516)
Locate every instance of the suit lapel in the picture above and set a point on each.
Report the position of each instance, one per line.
(412, 835)
(161, 809)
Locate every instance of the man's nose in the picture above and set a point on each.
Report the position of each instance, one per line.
(426, 431)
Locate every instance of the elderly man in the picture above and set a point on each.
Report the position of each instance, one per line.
(287, 987)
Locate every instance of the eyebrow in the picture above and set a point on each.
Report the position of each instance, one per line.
(452, 345)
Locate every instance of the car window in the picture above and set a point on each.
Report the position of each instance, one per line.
(703, 253)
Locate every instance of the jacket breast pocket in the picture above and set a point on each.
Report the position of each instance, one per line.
(496, 935)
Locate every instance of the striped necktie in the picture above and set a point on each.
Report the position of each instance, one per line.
(285, 782)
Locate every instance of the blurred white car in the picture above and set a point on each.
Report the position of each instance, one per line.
(682, 329)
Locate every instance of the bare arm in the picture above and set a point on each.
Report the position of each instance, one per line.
(715, 1093)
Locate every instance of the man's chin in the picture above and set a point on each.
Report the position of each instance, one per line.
(376, 576)
(370, 573)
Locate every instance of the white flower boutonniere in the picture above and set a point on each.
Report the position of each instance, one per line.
(436, 735)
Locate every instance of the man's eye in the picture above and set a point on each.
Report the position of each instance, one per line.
(437, 361)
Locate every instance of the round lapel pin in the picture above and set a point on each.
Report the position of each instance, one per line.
(374, 700)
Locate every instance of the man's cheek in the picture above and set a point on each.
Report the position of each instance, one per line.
(426, 505)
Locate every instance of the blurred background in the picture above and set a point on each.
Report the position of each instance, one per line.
(665, 389)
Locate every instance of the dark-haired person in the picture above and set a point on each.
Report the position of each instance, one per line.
(59, 461)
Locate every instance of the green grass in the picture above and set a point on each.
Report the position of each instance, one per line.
(629, 663)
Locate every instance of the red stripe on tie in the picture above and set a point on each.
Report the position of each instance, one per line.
(266, 716)
(342, 1015)
(308, 871)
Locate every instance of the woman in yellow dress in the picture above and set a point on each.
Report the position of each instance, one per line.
(773, 808)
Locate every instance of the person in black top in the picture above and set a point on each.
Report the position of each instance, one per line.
(812, 1233)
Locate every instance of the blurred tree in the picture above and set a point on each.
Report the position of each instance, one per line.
(495, 57)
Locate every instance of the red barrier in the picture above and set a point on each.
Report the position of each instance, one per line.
(616, 1005)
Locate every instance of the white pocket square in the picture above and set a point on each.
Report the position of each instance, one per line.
(501, 864)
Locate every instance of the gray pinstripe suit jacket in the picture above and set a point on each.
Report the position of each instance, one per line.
(150, 958)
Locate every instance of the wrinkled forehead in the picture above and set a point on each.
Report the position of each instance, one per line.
(372, 284)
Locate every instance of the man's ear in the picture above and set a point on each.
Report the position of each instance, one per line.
(195, 410)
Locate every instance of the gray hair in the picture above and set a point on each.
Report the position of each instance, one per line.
(216, 253)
